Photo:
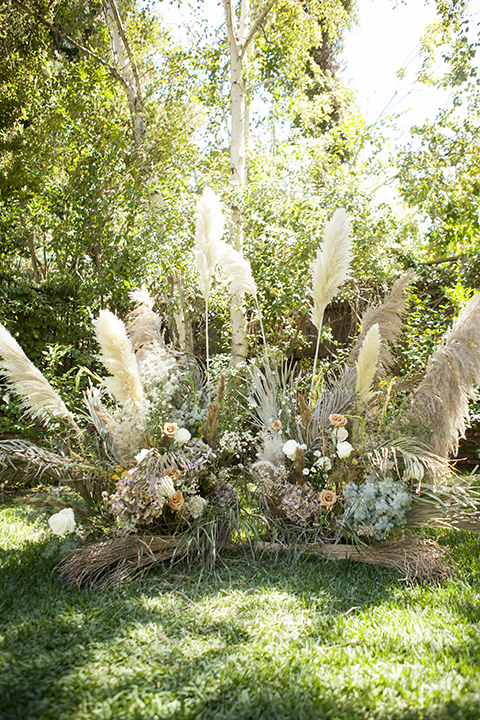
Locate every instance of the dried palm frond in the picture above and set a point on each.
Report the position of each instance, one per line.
(388, 316)
(452, 504)
(237, 270)
(367, 363)
(35, 392)
(103, 422)
(337, 396)
(118, 357)
(269, 392)
(25, 460)
(144, 325)
(208, 234)
(439, 406)
(411, 450)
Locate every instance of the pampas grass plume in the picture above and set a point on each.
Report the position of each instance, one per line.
(237, 270)
(37, 395)
(144, 326)
(118, 357)
(367, 363)
(331, 265)
(208, 233)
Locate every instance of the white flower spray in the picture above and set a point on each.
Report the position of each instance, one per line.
(329, 272)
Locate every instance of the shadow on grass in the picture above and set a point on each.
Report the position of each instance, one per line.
(265, 640)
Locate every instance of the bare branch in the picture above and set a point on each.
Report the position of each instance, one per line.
(121, 30)
(232, 29)
(256, 23)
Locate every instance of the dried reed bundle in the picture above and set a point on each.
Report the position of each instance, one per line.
(439, 407)
(105, 564)
(35, 392)
(388, 316)
(208, 234)
(118, 357)
(20, 458)
(415, 558)
(237, 271)
(367, 363)
(144, 325)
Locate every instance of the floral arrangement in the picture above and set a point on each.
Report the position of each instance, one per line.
(342, 459)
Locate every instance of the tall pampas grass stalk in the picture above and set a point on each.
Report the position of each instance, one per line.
(209, 229)
(118, 357)
(144, 324)
(440, 403)
(35, 392)
(329, 271)
(367, 364)
(388, 316)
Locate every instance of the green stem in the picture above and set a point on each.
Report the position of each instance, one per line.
(317, 348)
(207, 347)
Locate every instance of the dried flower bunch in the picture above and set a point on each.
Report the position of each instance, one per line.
(342, 460)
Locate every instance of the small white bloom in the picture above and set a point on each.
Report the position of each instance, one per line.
(182, 436)
(340, 434)
(303, 446)
(317, 453)
(324, 463)
(344, 449)
(141, 455)
(290, 448)
(306, 471)
(62, 522)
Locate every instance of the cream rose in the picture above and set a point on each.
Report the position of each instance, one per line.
(141, 455)
(176, 501)
(62, 522)
(338, 420)
(182, 436)
(340, 434)
(290, 448)
(169, 429)
(344, 449)
(328, 498)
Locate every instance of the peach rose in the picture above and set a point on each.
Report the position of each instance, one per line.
(176, 501)
(169, 429)
(174, 473)
(338, 420)
(276, 425)
(328, 498)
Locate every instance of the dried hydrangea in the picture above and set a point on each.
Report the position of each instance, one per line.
(301, 503)
(376, 506)
(195, 506)
(140, 497)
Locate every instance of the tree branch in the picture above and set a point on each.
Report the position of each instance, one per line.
(256, 23)
(232, 30)
(86, 51)
(121, 31)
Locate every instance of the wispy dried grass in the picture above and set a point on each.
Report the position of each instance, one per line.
(439, 407)
(144, 325)
(35, 392)
(388, 316)
(118, 357)
(237, 270)
(367, 363)
(208, 234)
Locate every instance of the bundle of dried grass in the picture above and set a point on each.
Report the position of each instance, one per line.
(416, 559)
(105, 564)
(439, 408)
(388, 316)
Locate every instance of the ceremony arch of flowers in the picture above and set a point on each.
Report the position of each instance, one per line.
(176, 457)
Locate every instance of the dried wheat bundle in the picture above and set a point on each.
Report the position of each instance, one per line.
(439, 407)
(105, 564)
(388, 316)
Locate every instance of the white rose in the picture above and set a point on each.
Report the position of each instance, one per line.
(324, 463)
(344, 449)
(290, 448)
(141, 455)
(340, 434)
(62, 522)
(182, 436)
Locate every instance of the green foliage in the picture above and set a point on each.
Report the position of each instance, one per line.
(310, 640)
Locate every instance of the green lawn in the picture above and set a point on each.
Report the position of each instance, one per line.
(278, 640)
